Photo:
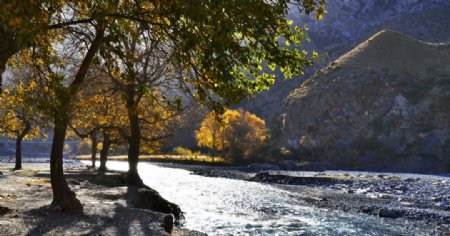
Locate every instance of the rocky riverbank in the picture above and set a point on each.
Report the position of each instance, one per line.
(26, 194)
(423, 200)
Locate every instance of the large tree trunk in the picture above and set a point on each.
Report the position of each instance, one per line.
(19, 139)
(104, 151)
(94, 142)
(133, 177)
(64, 199)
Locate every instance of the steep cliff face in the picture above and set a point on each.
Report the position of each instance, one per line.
(386, 101)
(346, 25)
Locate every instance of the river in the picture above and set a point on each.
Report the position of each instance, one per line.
(220, 206)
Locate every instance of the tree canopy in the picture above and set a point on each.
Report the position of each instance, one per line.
(217, 51)
(235, 133)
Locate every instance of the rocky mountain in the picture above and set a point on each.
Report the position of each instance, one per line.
(349, 22)
(385, 103)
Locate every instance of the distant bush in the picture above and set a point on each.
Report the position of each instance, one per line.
(182, 151)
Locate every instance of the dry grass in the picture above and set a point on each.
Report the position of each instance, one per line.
(35, 181)
(25, 172)
(194, 158)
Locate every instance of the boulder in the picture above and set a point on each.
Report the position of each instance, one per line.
(147, 198)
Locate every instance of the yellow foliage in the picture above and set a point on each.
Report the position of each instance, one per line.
(233, 131)
(17, 111)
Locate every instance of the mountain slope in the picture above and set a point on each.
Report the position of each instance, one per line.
(385, 101)
(347, 24)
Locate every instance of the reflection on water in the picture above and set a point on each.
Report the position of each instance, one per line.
(221, 206)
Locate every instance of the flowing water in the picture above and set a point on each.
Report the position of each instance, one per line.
(220, 206)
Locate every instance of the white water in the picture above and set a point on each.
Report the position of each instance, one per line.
(220, 206)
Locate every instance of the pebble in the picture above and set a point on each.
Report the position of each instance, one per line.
(436, 199)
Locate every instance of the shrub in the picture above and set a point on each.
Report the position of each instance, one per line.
(182, 151)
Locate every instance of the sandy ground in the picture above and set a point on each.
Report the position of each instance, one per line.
(26, 194)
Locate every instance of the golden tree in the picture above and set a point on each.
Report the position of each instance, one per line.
(18, 116)
(236, 133)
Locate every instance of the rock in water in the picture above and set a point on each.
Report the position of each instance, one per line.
(389, 213)
(384, 102)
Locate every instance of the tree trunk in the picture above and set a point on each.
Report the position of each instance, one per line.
(94, 142)
(64, 199)
(214, 145)
(133, 177)
(19, 139)
(2, 70)
(104, 151)
(18, 153)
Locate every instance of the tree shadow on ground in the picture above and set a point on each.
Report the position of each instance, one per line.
(45, 221)
(113, 219)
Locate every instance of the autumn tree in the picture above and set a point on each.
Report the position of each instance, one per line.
(97, 115)
(209, 134)
(236, 133)
(19, 118)
(137, 66)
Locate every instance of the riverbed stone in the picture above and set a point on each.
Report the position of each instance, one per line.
(389, 213)
(168, 223)
(4, 210)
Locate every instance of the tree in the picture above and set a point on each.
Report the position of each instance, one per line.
(245, 134)
(220, 52)
(235, 132)
(209, 134)
(137, 67)
(60, 73)
(18, 116)
(99, 114)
